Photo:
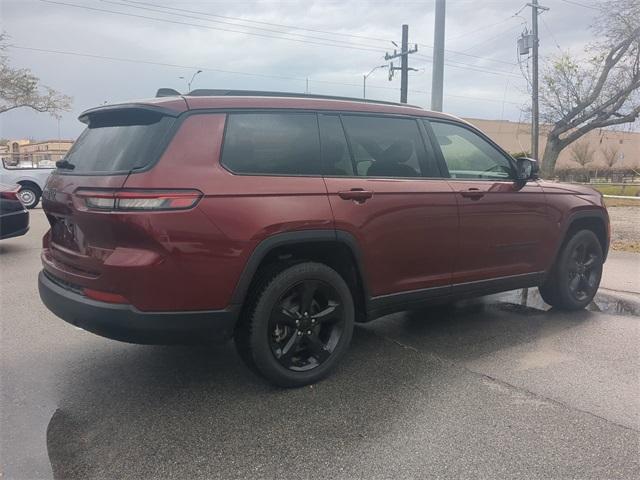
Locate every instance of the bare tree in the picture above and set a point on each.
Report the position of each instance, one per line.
(610, 155)
(604, 90)
(20, 88)
(582, 153)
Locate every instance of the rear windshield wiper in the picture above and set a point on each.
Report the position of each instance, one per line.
(65, 164)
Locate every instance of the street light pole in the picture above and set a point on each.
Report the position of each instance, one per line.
(364, 79)
(191, 81)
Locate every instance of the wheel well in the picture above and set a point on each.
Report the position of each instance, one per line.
(29, 183)
(334, 254)
(595, 224)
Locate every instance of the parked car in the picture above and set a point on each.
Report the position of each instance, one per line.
(31, 176)
(14, 217)
(281, 220)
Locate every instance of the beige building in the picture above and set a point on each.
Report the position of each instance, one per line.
(26, 153)
(516, 137)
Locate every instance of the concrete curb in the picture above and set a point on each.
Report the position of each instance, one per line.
(606, 301)
(619, 302)
(623, 197)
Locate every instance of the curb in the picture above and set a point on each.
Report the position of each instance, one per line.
(619, 302)
(623, 197)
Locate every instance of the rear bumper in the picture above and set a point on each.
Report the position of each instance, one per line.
(128, 324)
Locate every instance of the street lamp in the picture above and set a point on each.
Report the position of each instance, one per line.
(364, 79)
(190, 81)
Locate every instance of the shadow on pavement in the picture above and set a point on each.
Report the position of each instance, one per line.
(393, 408)
(474, 328)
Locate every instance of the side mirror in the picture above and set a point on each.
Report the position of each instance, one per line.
(527, 169)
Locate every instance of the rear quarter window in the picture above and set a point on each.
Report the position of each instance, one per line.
(119, 141)
(272, 144)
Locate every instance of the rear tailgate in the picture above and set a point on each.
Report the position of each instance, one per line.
(78, 240)
(117, 142)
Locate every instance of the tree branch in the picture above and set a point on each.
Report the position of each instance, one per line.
(618, 120)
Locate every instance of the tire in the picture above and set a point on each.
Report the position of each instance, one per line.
(277, 340)
(575, 278)
(29, 196)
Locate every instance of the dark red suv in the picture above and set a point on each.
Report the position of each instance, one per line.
(280, 220)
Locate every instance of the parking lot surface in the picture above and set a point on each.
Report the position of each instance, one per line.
(487, 389)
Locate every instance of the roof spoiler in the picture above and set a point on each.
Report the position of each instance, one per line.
(167, 92)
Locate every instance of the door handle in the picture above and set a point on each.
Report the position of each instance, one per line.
(474, 193)
(358, 195)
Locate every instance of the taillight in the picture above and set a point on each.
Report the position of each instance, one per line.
(10, 194)
(137, 200)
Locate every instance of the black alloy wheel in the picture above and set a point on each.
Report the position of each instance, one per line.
(574, 280)
(297, 325)
(583, 270)
(306, 325)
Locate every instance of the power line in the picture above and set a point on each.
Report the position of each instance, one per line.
(231, 72)
(182, 15)
(553, 38)
(493, 37)
(584, 5)
(323, 42)
(455, 52)
(260, 22)
(464, 66)
(382, 40)
(208, 26)
(480, 29)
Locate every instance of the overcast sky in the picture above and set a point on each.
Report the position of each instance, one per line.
(247, 44)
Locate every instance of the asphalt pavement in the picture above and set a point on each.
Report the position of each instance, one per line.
(486, 389)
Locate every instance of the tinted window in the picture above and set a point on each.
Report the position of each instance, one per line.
(468, 155)
(272, 143)
(119, 142)
(335, 151)
(388, 147)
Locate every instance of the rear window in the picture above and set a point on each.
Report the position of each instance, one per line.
(272, 144)
(119, 142)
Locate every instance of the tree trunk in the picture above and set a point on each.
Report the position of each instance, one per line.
(551, 152)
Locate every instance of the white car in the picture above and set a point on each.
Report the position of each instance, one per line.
(30, 175)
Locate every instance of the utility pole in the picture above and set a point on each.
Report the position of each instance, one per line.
(437, 75)
(530, 42)
(535, 110)
(404, 63)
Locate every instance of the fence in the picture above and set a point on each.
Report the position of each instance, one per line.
(585, 175)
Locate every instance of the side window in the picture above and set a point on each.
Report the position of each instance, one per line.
(272, 143)
(388, 147)
(468, 155)
(335, 151)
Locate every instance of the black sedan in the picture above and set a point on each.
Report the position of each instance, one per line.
(14, 218)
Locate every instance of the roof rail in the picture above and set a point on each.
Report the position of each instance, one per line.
(203, 92)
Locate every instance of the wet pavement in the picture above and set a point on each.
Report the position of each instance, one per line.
(487, 389)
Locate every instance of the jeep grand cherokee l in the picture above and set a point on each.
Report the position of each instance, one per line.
(280, 220)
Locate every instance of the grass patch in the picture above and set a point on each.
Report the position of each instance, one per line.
(626, 246)
(628, 190)
(621, 202)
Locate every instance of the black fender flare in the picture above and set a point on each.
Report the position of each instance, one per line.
(291, 238)
(580, 215)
